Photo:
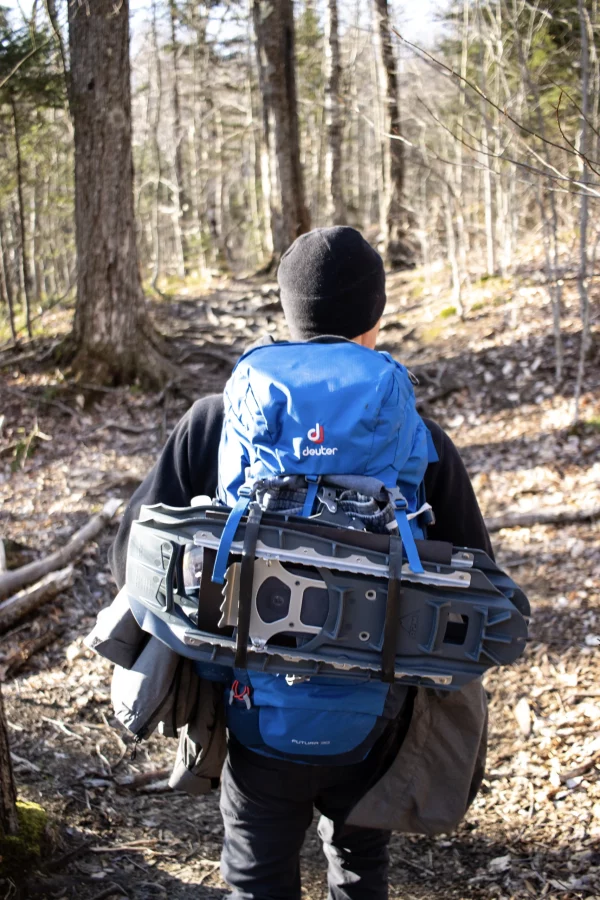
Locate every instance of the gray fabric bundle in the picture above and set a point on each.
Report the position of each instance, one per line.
(361, 497)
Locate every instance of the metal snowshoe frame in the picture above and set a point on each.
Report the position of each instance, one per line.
(305, 598)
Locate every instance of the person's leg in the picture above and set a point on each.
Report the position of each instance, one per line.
(266, 811)
(358, 858)
(358, 861)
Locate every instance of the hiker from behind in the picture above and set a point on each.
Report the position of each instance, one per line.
(370, 758)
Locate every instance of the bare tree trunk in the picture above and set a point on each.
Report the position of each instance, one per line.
(549, 221)
(487, 202)
(53, 17)
(181, 200)
(460, 220)
(252, 169)
(114, 342)
(9, 823)
(584, 304)
(24, 258)
(336, 210)
(451, 247)
(156, 238)
(217, 166)
(36, 233)
(399, 253)
(198, 51)
(274, 29)
(5, 284)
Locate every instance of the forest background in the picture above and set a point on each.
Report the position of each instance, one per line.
(479, 151)
(146, 195)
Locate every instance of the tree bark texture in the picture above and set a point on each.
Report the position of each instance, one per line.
(182, 199)
(274, 29)
(398, 251)
(5, 284)
(23, 236)
(8, 794)
(336, 211)
(111, 331)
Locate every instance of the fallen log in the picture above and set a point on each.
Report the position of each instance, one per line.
(141, 779)
(14, 580)
(560, 516)
(25, 601)
(17, 660)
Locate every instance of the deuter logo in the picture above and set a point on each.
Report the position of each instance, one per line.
(319, 451)
(317, 434)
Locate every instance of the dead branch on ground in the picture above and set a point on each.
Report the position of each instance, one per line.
(560, 516)
(16, 579)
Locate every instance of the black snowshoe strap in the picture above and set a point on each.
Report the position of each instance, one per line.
(246, 582)
(392, 612)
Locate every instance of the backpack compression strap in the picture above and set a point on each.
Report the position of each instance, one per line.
(233, 520)
(246, 585)
(401, 508)
(311, 493)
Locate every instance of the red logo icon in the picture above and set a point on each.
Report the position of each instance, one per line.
(317, 434)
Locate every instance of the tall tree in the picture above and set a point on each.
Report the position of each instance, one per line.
(334, 119)
(397, 249)
(113, 339)
(274, 29)
(182, 203)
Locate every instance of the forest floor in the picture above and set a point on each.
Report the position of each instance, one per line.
(534, 830)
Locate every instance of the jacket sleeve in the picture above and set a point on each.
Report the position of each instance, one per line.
(449, 490)
(187, 467)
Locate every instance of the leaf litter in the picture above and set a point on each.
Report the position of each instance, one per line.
(534, 829)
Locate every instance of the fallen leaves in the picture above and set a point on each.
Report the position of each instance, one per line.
(534, 829)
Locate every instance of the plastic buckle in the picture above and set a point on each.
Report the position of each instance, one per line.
(398, 499)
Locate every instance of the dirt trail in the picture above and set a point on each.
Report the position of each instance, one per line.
(534, 830)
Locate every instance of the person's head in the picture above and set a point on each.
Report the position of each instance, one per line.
(332, 282)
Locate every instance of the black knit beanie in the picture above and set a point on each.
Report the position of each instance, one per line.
(332, 282)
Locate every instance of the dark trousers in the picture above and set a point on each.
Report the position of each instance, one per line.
(267, 806)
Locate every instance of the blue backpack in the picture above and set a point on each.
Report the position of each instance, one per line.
(319, 411)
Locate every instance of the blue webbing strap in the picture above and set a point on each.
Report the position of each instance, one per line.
(227, 537)
(311, 493)
(408, 540)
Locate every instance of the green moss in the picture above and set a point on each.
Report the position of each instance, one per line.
(431, 333)
(477, 306)
(417, 288)
(20, 850)
(585, 427)
(448, 312)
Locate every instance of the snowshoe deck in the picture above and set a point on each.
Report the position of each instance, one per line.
(319, 598)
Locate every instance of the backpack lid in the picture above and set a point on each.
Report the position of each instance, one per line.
(314, 408)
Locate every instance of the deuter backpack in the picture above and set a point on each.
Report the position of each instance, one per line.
(332, 430)
(309, 587)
